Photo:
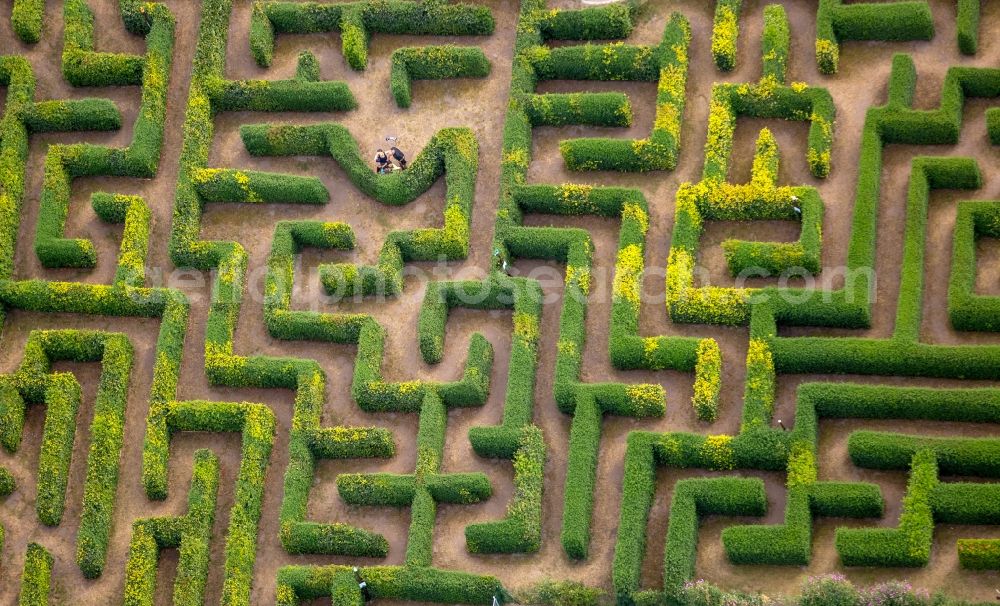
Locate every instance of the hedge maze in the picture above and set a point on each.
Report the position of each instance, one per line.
(526, 471)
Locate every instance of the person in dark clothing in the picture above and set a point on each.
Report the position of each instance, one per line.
(382, 164)
(399, 156)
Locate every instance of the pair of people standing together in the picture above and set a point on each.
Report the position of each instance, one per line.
(383, 163)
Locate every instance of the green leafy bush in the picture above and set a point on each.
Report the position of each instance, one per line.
(37, 577)
(434, 63)
(725, 33)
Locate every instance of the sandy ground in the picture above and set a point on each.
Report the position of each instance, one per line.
(480, 105)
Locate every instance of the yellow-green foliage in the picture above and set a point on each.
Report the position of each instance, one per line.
(635, 213)
(710, 304)
(827, 56)
(758, 394)
(579, 276)
(708, 380)
(765, 161)
(725, 33)
(721, 126)
(526, 328)
(718, 453)
(628, 275)
(646, 399)
(801, 465)
(576, 198)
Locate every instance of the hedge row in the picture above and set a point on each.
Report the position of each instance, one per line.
(7, 487)
(967, 22)
(85, 67)
(979, 554)
(968, 310)
(667, 63)
(190, 534)
(837, 21)
(592, 109)
(910, 543)
(451, 152)
(36, 579)
(16, 74)
(357, 21)
(581, 476)
(73, 115)
(514, 438)
(966, 503)
(256, 187)
(62, 397)
(135, 214)
(520, 530)
(707, 381)
(297, 94)
(694, 498)
(33, 383)
(434, 63)
(955, 456)
(81, 65)
(726, 33)
(589, 23)
(106, 441)
(775, 41)
(26, 17)
(847, 400)
(298, 584)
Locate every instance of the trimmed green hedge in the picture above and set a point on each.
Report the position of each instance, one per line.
(979, 554)
(357, 21)
(910, 543)
(707, 380)
(694, 498)
(26, 17)
(967, 22)
(62, 397)
(434, 63)
(190, 533)
(589, 23)
(591, 109)
(581, 476)
(775, 41)
(297, 94)
(726, 33)
(423, 584)
(73, 115)
(520, 530)
(837, 21)
(667, 64)
(37, 577)
(230, 185)
(7, 485)
(955, 456)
